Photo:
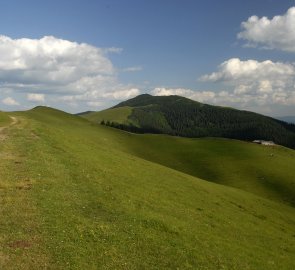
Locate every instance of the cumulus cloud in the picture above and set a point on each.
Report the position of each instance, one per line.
(236, 69)
(162, 91)
(50, 60)
(94, 104)
(123, 94)
(60, 67)
(250, 84)
(201, 96)
(275, 33)
(10, 101)
(256, 82)
(36, 97)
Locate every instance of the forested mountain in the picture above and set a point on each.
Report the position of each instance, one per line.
(176, 115)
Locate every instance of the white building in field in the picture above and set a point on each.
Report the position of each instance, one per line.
(264, 142)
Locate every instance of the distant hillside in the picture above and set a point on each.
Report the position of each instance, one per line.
(82, 113)
(118, 115)
(176, 115)
(288, 119)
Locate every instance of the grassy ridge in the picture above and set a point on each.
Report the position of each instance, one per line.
(85, 202)
(118, 115)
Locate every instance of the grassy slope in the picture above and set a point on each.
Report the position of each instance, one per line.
(4, 119)
(262, 170)
(119, 115)
(265, 171)
(72, 200)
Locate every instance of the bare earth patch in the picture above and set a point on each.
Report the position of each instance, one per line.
(13, 122)
(20, 244)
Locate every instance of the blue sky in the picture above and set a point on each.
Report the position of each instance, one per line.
(159, 47)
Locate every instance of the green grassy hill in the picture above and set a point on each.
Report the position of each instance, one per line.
(262, 170)
(76, 195)
(4, 119)
(176, 115)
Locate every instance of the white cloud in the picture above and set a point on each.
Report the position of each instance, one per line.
(36, 97)
(251, 85)
(123, 94)
(50, 60)
(90, 97)
(275, 33)
(113, 50)
(132, 69)
(95, 104)
(10, 101)
(61, 68)
(255, 82)
(249, 70)
(162, 91)
(201, 96)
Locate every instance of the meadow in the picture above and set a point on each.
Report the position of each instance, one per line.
(78, 195)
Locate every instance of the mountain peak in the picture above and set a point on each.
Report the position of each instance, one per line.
(180, 116)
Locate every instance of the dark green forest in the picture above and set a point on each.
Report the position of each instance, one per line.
(179, 116)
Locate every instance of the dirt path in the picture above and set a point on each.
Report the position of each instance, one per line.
(12, 123)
